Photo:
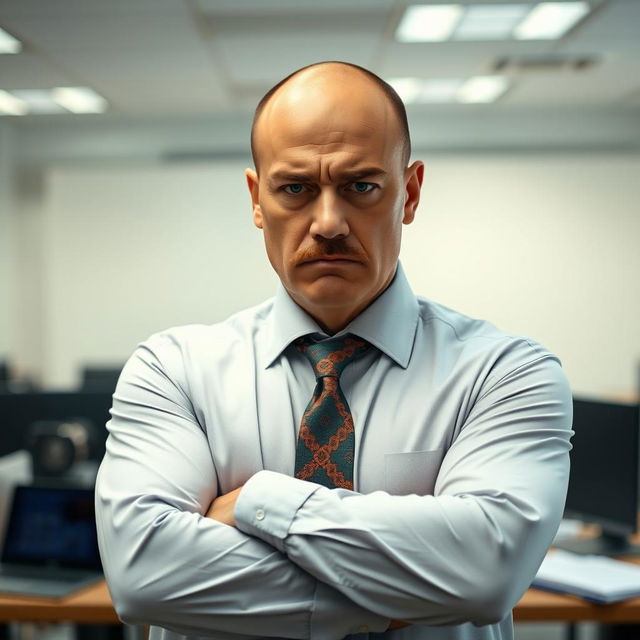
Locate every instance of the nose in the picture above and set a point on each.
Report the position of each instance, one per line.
(329, 217)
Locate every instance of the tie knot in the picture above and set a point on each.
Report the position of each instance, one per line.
(330, 357)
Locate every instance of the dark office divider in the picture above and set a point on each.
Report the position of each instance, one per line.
(100, 378)
(19, 410)
(618, 632)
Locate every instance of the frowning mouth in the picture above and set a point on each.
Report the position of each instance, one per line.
(334, 258)
(329, 252)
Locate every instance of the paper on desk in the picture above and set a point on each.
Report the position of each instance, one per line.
(593, 577)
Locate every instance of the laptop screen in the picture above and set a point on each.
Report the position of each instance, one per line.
(52, 526)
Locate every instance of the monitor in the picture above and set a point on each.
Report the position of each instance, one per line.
(19, 410)
(603, 482)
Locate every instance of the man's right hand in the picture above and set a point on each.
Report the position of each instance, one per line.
(221, 509)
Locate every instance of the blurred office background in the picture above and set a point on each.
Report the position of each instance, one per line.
(124, 134)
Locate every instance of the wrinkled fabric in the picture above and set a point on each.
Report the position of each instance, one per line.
(460, 474)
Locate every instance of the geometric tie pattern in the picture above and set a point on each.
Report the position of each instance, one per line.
(326, 440)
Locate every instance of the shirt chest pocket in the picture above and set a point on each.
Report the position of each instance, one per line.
(412, 472)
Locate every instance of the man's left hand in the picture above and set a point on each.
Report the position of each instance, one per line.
(221, 508)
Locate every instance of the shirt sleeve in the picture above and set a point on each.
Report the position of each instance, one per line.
(466, 553)
(168, 565)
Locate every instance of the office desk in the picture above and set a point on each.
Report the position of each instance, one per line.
(543, 606)
(93, 606)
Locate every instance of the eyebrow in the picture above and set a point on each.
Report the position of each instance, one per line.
(345, 176)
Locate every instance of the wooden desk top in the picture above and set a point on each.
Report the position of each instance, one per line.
(93, 605)
(544, 606)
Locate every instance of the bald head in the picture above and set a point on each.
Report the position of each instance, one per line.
(336, 87)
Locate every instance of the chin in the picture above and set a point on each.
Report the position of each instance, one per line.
(328, 292)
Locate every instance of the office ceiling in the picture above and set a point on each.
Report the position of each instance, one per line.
(188, 57)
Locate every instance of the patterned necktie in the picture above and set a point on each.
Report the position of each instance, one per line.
(326, 440)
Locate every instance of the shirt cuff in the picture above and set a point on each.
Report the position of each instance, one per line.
(265, 509)
(268, 503)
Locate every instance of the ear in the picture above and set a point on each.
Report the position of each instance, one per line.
(413, 181)
(254, 189)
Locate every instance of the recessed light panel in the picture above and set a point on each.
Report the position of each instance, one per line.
(440, 90)
(407, 88)
(9, 44)
(39, 101)
(12, 106)
(490, 21)
(434, 91)
(550, 20)
(482, 89)
(428, 23)
(79, 99)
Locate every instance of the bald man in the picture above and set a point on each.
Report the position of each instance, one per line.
(345, 458)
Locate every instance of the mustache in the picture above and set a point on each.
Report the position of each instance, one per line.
(329, 247)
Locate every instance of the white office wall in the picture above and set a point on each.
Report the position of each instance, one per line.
(542, 245)
(131, 251)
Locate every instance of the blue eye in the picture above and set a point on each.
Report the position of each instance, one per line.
(362, 187)
(293, 189)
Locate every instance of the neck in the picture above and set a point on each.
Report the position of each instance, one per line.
(332, 323)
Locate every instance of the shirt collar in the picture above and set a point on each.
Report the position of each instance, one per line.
(389, 323)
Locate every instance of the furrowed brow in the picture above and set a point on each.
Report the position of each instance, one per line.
(346, 176)
(290, 176)
(355, 176)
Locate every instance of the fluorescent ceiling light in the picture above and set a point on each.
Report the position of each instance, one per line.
(550, 20)
(482, 89)
(428, 23)
(12, 106)
(407, 88)
(490, 21)
(79, 99)
(440, 90)
(39, 101)
(9, 44)
(415, 90)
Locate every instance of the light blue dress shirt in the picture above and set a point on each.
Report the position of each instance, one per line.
(461, 467)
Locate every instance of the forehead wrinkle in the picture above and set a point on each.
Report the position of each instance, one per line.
(336, 165)
(302, 118)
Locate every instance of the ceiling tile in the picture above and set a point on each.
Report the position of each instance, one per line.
(157, 81)
(452, 59)
(233, 7)
(74, 8)
(594, 86)
(30, 71)
(262, 60)
(199, 56)
(113, 30)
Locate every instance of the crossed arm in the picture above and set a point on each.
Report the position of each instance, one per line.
(222, 510)
(325, 563)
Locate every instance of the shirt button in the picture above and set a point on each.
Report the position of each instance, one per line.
(259, 514)
(363, 629)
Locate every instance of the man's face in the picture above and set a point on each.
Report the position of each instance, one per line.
(332, 195)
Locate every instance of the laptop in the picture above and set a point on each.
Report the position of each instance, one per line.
(15, 468)
(50, 543)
